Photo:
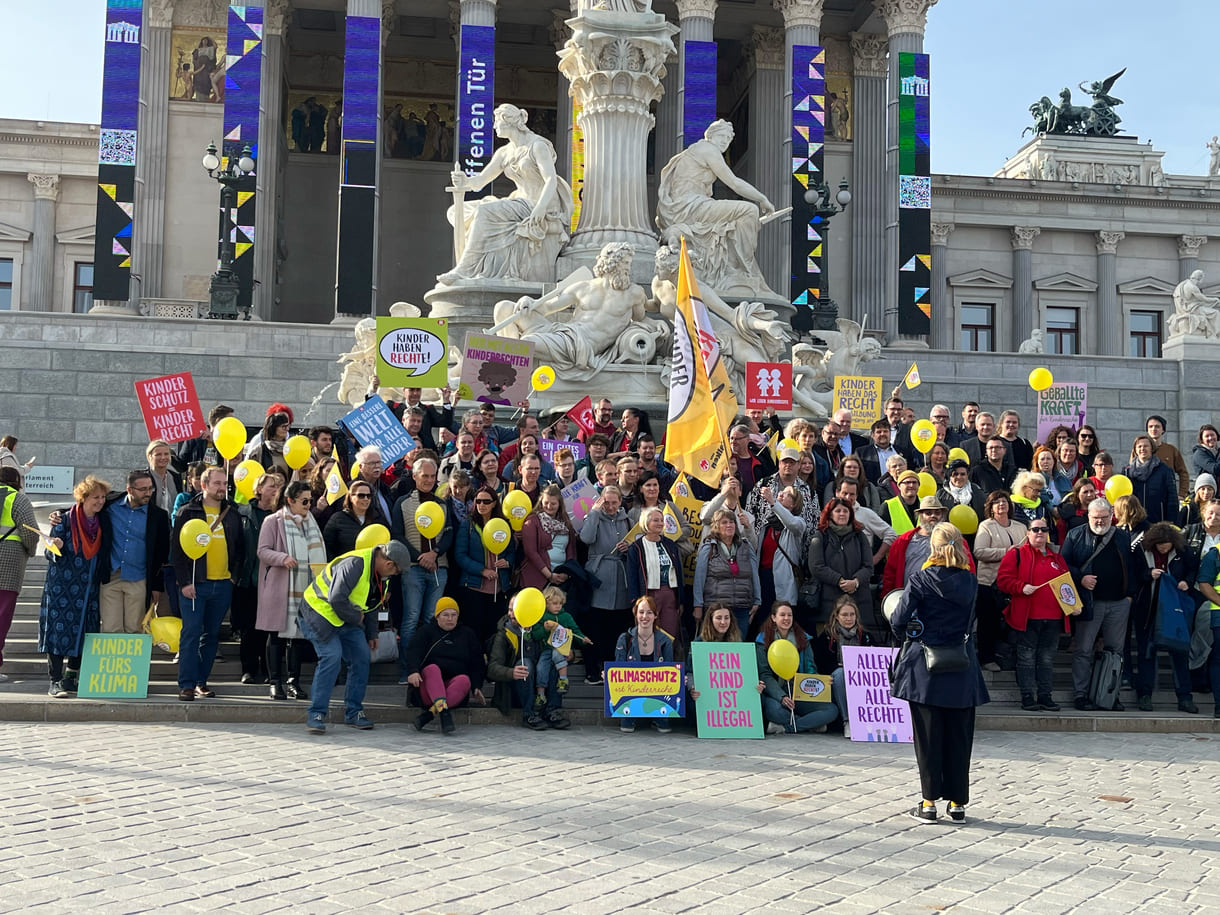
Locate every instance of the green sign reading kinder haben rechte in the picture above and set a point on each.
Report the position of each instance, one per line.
(115, 666)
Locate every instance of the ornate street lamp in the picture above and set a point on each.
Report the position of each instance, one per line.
(818, 197)
(224, 289)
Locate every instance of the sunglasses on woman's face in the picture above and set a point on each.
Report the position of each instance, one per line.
(361, 495)
(484, 502)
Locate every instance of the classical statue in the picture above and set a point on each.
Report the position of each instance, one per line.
(1213, 157)
(603, 308)
(1098, 119)
(1049, 169)
(1195, 314)
(725, 232)
(617, 6)
(1034, 344)
(751, 332)
(814, 371)
(517, 237)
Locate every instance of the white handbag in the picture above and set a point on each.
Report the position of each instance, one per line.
(387, 647)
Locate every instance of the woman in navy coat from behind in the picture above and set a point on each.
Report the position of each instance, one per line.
(937, 609)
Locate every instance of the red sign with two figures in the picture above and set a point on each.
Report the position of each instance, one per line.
(171, 408)
(769, 385)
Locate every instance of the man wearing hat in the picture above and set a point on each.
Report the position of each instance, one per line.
(899, 512)
(762, 510)
(912, 549)
(339, 616)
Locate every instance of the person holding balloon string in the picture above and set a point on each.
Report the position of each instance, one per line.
(207, 550)
(359, 511)
(512, 666)
(645, 643)
(265, 499)
(485, 551)
(784, 650)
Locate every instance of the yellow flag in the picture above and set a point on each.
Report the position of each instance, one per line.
(717, 374)
(635, 533)
(673, 527)
(912, 379)
(689, 508)
(694, 441)
(335, 487)
(1064, 590)
(773, 444)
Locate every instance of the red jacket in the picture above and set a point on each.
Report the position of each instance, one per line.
(896, 563)
(1022, 566)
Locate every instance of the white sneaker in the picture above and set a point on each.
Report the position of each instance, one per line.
(847, 730)
(773, 728)
(3, 678)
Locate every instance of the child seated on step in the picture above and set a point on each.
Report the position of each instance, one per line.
(556, 631)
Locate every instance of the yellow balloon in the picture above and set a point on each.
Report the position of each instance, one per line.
(1117, 487)
(529, 607)
(1040, 379)
(245, 474)
(371, 536)
(516, 506)
(194, 538)
(957, 454)
(927, 484)
(964, 519)
(429, 519)
(229, 436)
(296, 452)
(783, 658)
(543, 377)
(496, 536)
(446, 603)
(923, 435)
(790, 443)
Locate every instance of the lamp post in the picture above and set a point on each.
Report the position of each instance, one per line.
(818, 197)
(224, 289)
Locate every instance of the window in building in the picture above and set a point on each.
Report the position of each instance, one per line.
(978, 328)
(6, 283)
(1145, 337)
(1063, 331)
(82, 289)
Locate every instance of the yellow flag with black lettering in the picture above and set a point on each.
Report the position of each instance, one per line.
(694, 439)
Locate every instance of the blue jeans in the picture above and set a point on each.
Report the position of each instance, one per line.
(201, 619)
(838, 693)
(1036, 657)
(421, 590)
(526, 690)
(809, 715)
(1214, 664)
(551, 661)
(347, 643)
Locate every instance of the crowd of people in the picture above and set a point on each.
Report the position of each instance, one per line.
(811, 530)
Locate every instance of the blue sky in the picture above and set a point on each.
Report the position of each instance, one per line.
(991, 59)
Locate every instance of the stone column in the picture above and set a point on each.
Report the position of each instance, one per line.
(771, 166)
(478, 12)
(615, 64)
(870, 70)
(1188, 254)
(942, 317)
(41, 275)
(272, 158)
(559, 34)
(1022, 312)
(905, 21)
(1108, 319)
(152, 128)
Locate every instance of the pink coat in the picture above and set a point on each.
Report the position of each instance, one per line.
(273, 576)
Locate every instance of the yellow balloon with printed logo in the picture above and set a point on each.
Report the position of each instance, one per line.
(229, 436)
(529, 607)
(371, 536)
(516, 506)
(783, 658)
(194, 538)
(245, 475)
(296, 452)
(927, 484)
(429, 519)
(923, 435)
(964, 519)
(958, 454)
(543, 377)
(496, 536)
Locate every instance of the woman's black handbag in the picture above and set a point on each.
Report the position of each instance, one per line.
(944, 659)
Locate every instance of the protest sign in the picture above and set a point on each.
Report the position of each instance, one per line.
(689, 507)
(726, 678)
(769, 385)
(1062, 405)
(875, 715)
(372, 423)
(578, 499)
(639, 690)
(170, 407)
(496, 370)
(811, 688)
(413, 352)
(860, 394)
(115, 666)
(548, 446)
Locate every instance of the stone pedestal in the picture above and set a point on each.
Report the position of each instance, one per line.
(468, 306)
(615, 63)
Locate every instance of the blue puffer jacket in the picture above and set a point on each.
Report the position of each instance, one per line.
(473, 557)
(943, 600)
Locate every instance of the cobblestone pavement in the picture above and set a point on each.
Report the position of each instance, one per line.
(258, 818)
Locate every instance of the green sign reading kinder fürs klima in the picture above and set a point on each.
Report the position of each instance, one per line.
(115, 666)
